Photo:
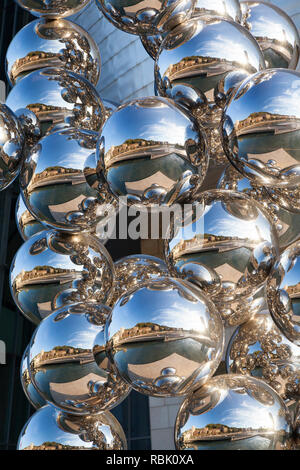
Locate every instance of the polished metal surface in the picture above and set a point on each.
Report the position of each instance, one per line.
(134, 270)
(109, 106)
(274, 31)
(12, 144)
(259, 349)
(201, 52)
(52, 43)
(31, 127)
(56, 185)
(53, 268)
(146, 16)
(27, 225)
(52, 8)
(233, 412)
(165, 338)
(225, 243)
(283, 293)
(287, 199)
(261, 128)
(51, 429)
(61, 362)
(56, 96)
(147, 146)
(31, 393)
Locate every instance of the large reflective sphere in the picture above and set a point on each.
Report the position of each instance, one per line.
(12, 140)
(52, 8)
(30, 391)
(52, 43)
(146, 16)
(274, 31)
(56, 96)
(165, 338)
(133, 270)
(61, 362)
(202, 52)
(51, 429)
(283, 293)
(261, 128)
(56, 184)
(54, 268)
(27, 225)
(148, 146)
(233, 412)
(225, 243)
(258, 348)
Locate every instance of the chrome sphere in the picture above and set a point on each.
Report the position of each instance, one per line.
(261, 128)
(56, 96)
(12, 143)
(52, 43)
(27, 225)
(56, 185)
(274, 31)
(109, 107)
(51, 429)
(61, 362)
(142, 17)
(233, 412)
(134, 270)
(54, 268)
(147, 147)
(165, 338)
(283, 293)
(287, 199)
(29, 390)
(52, 8)
(202, 52)
(258, 348)
(225, 243)
(31, 127)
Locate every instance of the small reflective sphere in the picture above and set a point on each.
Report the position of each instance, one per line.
(31, 127)
(31, 393)
(258, 348)
(53, 268)
(27, 225)
(165, 338)
(287, 198)
(52, 8)
(52, 43)
(51, 429)
(201, 52)
(283, 293)
(61, 362)
(233, 412)
(109, 107)
(56, 185)
(146, 16)
(56, 96)
(12, 142)
(224, 243)
(274, 31)
(147, 147)
(261, 128)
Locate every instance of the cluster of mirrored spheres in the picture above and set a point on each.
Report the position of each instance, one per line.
(226, 103)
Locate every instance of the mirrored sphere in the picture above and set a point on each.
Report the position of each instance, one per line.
(31, 127)
(274, 31)
(202, 52)
(12, 140)
(233, 412)
(52, 8)
(56, 96)
(258, 348)
(146, 159)
(134, 270)
(283, 293)
(287, 198)
(56, 185)
(27, 225)
(146, 16)
(61, 362)
(54, 268)
(51, 429)
(52, 43)
(165, 338)
(30, 391)
(225, 243)
(109, 106)
(261, 128)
